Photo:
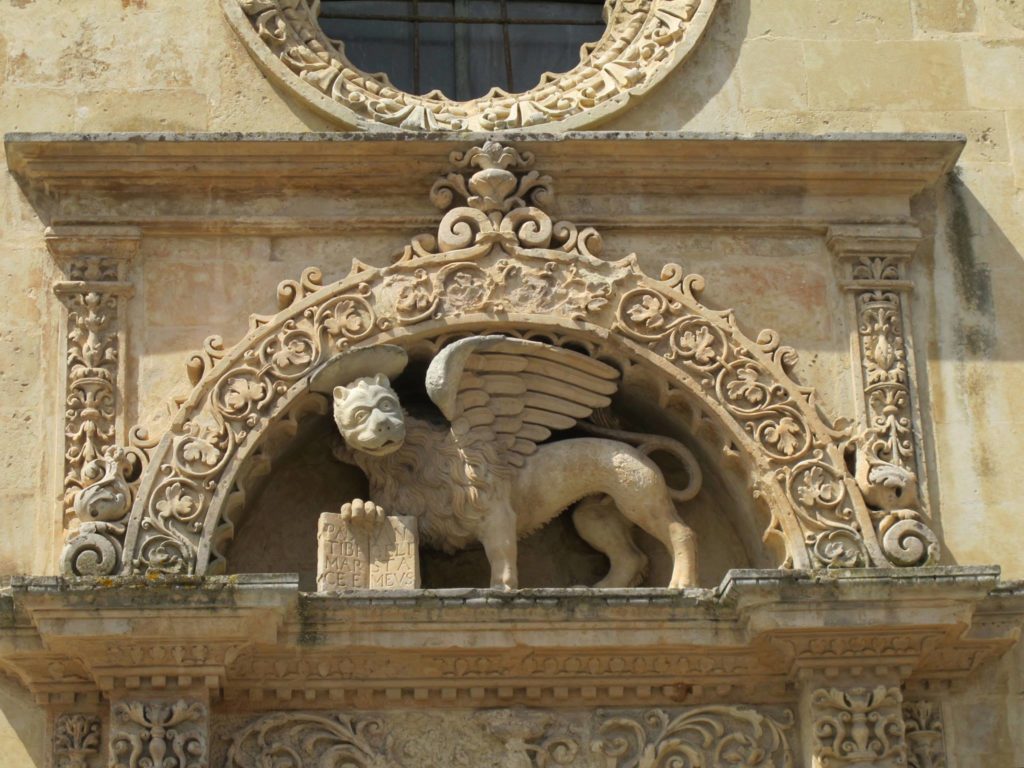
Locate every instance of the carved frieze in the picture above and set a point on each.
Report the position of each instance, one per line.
(715, 737)
(643, 41)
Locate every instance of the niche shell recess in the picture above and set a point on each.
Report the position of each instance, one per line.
(642, 42)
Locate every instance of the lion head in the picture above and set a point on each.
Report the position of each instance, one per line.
(369, 415)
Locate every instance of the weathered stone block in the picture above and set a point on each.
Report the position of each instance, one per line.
(381, 555)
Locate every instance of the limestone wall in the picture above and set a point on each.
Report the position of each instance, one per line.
(808, 66)
(772, 65)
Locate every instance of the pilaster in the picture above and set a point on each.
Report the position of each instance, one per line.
(852, 721)
(94, 290)
(873, 261)
(170, 730)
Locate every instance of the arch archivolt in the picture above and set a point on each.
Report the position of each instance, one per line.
(497, 262)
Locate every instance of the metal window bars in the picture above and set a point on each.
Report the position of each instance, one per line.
(462, 13)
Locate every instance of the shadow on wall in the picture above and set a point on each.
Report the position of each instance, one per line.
(687, 90)
(968, 319)
(22, 727)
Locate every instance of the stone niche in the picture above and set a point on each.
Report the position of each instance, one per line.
(793, 611)
(554, 556)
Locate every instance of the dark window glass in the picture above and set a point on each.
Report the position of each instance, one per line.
(463, 47)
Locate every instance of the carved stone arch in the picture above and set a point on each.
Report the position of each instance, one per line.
(497, 262)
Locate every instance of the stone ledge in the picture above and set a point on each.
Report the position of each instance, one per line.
(125, 179)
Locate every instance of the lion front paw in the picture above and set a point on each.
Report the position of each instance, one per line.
(362, 513)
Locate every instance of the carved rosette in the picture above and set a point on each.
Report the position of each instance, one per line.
(643, 41)
(926, 742)
(498, 256)
(889, 450)
(859, 727)
(76, 741)
(168, 734)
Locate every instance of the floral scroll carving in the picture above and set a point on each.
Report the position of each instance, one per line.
(76, 741)
(498, 257)
(889, 468)
(294, 740)
(93, 289)
(643, 41)
(716, 737)
(859, 727)
(151, 733)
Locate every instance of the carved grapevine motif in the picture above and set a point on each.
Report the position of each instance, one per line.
(859, 726)
(707, 737)
(499, 256)
(643, 40)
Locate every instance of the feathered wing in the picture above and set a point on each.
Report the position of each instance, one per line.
(513, 393)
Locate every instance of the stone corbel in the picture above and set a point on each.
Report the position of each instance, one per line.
(891, 469)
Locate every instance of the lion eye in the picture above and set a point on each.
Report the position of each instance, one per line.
(360, 415)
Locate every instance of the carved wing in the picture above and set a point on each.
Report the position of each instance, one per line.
(513, 393)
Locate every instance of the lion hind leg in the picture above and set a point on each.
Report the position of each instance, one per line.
(651, 508)
(600, 524)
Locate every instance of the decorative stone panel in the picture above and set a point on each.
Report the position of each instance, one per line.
(147, 733)
(498, 256)
(711, 736)
(858, 726)
(94, 289)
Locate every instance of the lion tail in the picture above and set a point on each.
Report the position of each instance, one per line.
(648, 444)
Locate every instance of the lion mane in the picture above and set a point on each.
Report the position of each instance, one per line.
(448, 488)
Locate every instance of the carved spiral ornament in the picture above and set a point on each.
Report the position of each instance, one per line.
(502, 260)
(642, 42)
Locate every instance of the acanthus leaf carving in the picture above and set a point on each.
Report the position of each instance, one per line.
(76, 741)
(859, 727)
(713, 736)
(148, 734)
(926, 741)
(295, 740)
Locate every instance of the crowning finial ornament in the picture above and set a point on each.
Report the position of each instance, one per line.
(642, 42)
(498, 262)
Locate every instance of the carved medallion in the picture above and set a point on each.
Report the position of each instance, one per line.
(643, 41)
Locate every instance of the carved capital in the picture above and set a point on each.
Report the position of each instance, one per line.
(926, 741)
(858, 726)
(76, 741)
(890, 467)
(165, 733)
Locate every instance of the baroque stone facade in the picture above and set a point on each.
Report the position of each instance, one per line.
(331, 536)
